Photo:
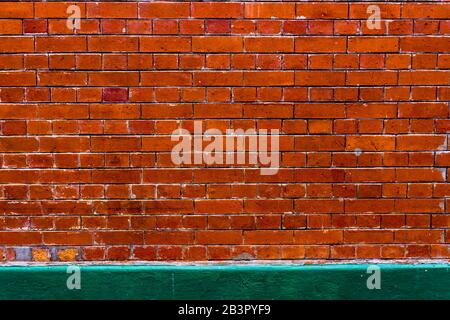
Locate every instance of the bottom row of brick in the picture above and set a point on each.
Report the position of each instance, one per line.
(222, 252)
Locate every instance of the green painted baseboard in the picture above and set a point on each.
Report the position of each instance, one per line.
(344, 281)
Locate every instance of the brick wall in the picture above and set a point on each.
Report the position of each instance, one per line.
(87, 113)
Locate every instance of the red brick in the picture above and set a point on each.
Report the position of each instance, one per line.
(115, 94)
(269, 10)
(373, 44)
(217, 44)
(217, 10)
(111, 10)
(87, 117)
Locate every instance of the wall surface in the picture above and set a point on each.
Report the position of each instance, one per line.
(359, 92)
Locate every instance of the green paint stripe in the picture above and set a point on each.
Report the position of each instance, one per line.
(344, 281)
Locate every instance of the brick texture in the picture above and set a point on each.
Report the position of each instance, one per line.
(86, 116)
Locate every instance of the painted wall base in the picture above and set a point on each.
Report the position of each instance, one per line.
(345, 281)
